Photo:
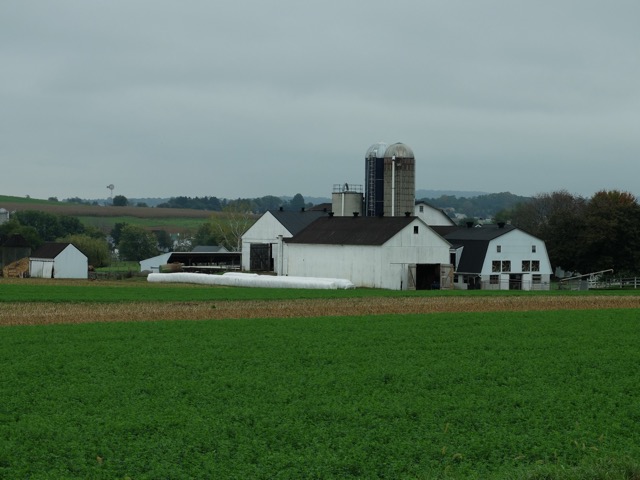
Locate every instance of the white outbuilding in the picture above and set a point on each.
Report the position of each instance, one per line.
(58, 260)
(262, 242)
(396, 253)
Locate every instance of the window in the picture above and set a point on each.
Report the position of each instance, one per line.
(499, 248)
(506, 265)
(421, 208)
(536, 279)
(526, 265)
(495, 266)
(415, 229)
(533, 249)
(494, 279)
(535, 265)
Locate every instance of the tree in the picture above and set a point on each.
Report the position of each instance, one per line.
(297, 202)
(116, 231)
(206, 235)
(231, 225)
(46, 224)
(165, 243)
(136, 243)
(13, 227)
(96, 250)
(611, 233)
(120, 201)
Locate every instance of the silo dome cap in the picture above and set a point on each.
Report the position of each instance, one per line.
(399, 150)
(376, 150)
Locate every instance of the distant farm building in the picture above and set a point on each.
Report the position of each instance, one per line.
(58, 260)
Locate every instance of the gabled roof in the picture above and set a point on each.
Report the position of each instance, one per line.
(296, 221)
(475, 241)
(351, 230)
(50, 250)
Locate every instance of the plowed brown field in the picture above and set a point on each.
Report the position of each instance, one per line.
(54, 313)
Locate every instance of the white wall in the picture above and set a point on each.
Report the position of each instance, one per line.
(516, 246)
(432, 216)
(153, 264)
(383, 266)
(265, 230)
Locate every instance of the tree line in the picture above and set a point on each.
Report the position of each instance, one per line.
(584, 234)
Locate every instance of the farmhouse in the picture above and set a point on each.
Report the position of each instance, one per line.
(498, 257)
(260, 241)
(397, 253)
(58, 260)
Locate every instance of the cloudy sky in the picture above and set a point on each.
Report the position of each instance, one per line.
(250, 98)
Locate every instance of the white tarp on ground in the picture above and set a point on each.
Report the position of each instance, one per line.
(236, 279)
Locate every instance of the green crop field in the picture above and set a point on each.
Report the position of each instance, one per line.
(532, 395)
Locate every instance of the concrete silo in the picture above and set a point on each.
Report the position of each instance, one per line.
(346, 200)
(374, 180)
(399, 180)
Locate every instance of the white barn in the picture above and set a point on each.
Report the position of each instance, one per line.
(498, 257)
(431, 215)
(260, 243)
(396, 253)
(58, 260)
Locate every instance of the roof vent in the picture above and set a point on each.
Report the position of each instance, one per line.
(407, 214)
(501, 224)
(331, 214)
(281, 208)
(469, 224)
(355, 214)
(302, 209)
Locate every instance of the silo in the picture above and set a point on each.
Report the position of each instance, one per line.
(346, 200)
(399, 180)
(374, 179)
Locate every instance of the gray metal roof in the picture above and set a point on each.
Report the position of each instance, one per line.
(296, 221)
(49, 250)
(351, 230)
(399, 150)
(376, 150)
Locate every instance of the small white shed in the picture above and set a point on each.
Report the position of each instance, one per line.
(58, 260)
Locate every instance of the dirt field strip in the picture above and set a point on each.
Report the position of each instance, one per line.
(56, 313)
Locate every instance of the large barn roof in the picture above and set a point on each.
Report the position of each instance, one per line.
(351, 230)
(297, 220)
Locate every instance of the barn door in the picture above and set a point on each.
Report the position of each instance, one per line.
(411, 280)
(446, 277)
(260, 257)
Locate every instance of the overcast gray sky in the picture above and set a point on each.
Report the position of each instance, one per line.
(251, 98)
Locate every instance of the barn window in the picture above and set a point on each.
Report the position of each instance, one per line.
(495, 266)
(499, 248)
(536, 279)
(421, 208)
(415, 229)
(533, 249)
(494, 279)
(506, 265)
(526, 265)
(535, 265)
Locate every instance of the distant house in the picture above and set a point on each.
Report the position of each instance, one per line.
(397, 253)
(58, 260)
(498, 257)
(260, 242)
(4, 215)
(431, 215)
